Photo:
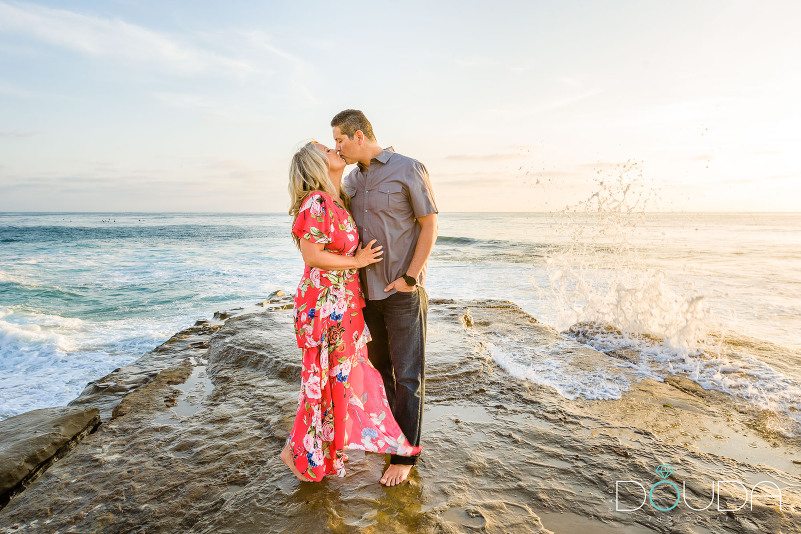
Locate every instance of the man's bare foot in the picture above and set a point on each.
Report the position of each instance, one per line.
(286, 457)
(395, 474)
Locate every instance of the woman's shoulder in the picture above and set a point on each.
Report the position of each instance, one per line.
(318, 197)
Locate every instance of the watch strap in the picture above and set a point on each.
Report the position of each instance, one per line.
(410, 280)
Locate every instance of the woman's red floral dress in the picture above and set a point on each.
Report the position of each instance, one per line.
(342, 402)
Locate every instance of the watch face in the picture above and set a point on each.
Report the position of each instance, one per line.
(409, 280)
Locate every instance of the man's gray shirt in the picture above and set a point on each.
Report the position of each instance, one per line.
(386, 200)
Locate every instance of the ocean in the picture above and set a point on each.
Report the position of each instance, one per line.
(714, 297)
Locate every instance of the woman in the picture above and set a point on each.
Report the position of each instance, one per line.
(342, 402)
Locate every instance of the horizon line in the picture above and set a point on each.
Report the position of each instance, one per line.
(720, 212)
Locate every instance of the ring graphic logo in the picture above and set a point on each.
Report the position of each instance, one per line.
(666, 492)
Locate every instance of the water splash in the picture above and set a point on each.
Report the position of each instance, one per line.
(607, 296)
(598, 276)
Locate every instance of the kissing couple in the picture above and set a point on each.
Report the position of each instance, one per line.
(360, 308)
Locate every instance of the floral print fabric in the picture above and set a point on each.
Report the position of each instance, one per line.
(342, 402)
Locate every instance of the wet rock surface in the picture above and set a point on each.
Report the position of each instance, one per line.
(31, 442)
(107, 392)
(193, 430)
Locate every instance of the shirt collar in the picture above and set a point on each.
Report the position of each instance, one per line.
(383, 157)
(385, 154)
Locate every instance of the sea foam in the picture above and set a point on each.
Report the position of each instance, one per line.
(616, 303)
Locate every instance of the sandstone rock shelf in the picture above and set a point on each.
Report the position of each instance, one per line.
(192, 432)
(31, 442)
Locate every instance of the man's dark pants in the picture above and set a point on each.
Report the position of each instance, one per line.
(398, 328)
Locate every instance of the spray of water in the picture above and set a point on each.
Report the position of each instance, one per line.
(598, 277)
(610, 298)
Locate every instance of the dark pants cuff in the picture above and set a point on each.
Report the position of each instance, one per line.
(403, 460)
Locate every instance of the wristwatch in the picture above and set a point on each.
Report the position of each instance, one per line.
(410, 280)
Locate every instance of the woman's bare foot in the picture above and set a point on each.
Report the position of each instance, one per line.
(395, 474)
(286, 457)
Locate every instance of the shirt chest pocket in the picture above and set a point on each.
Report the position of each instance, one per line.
(388, 197)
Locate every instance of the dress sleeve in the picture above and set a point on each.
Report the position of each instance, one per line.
(314, 221)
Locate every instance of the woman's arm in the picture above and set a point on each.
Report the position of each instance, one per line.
(315, 255)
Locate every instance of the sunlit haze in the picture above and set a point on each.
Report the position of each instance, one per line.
(512, 106)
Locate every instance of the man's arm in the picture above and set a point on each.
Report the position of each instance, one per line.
(425, 244)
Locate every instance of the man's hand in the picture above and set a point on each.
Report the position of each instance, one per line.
(401, 285)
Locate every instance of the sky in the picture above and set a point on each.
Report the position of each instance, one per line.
(182, 106)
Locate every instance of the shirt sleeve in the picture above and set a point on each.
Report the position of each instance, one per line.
(314, 221)
(421, 194)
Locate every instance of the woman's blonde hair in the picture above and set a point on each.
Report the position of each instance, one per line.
(308, 172)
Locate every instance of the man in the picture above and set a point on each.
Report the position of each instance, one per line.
(393, 203)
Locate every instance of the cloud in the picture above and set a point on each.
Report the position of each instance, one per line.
(524, 176)
(565, 101)
(18, 134)
(569, 80)
(18, 50)
(120, 182)
(577, 174)
(516, 111)
(301, 75)
(233, 169)
(485, 157)
(52, 182)
(196, 174)
(185, 100)
(469, 178)
(760, 179)
(474, 62)
(139, 190)
(8, 89)
(214, 108)
(114, 38)
(261, 41)
(602, 165)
